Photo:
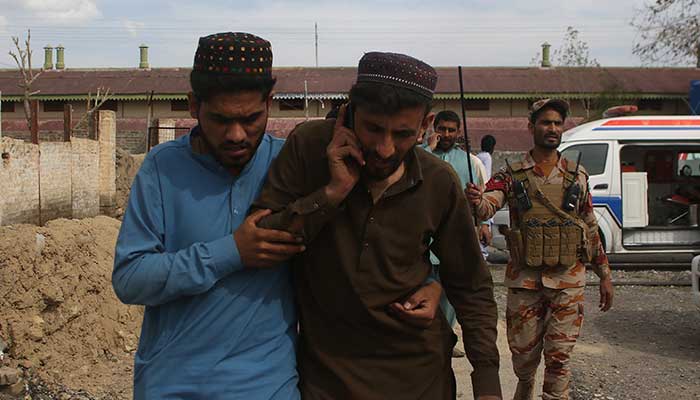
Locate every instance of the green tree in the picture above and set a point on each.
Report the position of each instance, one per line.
(669, 32)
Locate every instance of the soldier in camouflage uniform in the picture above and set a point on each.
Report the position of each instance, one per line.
(553, 233)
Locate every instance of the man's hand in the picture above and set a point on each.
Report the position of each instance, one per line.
(606, 293)
(474, 194)
(263, 248)
(421, 308)
(485, 234)
(433, 140)
(344, 160)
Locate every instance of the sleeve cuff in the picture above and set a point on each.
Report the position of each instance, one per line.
(224, 256)
(315, 202)
(485, 381)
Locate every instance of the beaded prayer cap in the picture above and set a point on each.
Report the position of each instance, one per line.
(235, 53)
(398, 70)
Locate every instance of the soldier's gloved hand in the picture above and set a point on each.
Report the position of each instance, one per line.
(420, 308)
(474, 194)
(607, 293)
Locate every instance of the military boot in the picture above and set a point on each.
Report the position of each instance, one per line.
(525, 390)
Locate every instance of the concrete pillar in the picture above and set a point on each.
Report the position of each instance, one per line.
(107, 125)
(48, 57)
(143, 63)
(60, 57)
(545, 55)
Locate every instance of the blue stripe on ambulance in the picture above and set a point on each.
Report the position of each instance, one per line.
(614, 204)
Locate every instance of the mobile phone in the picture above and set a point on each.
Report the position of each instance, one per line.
(349, 117)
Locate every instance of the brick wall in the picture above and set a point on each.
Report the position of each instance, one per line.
(52, 180)
(132, 141)
(55, 166)
(19, 180)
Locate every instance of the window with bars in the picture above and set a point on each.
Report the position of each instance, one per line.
(7, 106)
(53, 106)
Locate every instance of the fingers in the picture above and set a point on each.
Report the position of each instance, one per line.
(419, 316)
(255, 217)
(273, 235)
(606, 296)
(340, 120)
(286, 250)
(350, 151)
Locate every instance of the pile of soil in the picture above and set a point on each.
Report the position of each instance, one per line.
(62, 322)
(127, 165)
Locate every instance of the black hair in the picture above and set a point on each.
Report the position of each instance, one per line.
(386, 99)
(207, 84)
(488, 143)
(446, 115)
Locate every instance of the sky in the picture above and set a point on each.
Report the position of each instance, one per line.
(101, 33)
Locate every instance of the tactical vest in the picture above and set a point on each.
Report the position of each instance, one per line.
(546, 235)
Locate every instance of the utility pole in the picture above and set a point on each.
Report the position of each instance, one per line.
(316, 34)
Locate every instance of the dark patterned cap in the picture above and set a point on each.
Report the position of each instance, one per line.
(560, 105)
(236, 53)
(398, 70)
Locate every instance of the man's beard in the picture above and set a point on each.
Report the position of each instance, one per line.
(388, 165)
(226, 161)
(542, 142)
(446, 143)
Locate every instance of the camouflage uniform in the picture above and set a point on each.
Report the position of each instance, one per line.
(545, 302)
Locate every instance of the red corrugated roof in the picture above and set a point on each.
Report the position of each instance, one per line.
(477, 80)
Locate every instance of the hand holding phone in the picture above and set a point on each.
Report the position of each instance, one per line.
(344, 158)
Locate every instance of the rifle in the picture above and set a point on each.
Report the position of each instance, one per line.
(464, 129)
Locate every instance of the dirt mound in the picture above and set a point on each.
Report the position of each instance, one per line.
(127, 165)
(60, 317)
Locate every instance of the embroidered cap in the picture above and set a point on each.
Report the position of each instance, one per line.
(398, 70)
(235, 53)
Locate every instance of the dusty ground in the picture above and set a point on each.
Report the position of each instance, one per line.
(72, 339)
(646, 347)
(127, 165)
(63, 325)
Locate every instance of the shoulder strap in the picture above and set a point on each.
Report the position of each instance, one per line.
(556, 210)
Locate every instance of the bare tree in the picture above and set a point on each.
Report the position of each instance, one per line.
(574, 52)
(23, 58)
(669, 32)
(92, 105)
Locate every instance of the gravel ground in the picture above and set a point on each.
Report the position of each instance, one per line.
(646, 347)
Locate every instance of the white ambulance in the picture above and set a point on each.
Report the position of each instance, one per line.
(645, 181)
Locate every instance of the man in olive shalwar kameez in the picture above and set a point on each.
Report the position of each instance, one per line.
(371, 206)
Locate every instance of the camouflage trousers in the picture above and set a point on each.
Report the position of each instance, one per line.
(546, 320)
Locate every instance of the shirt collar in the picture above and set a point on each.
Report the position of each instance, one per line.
(528, 162)
(411, 177)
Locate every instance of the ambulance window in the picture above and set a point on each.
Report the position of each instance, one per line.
(593, 156)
